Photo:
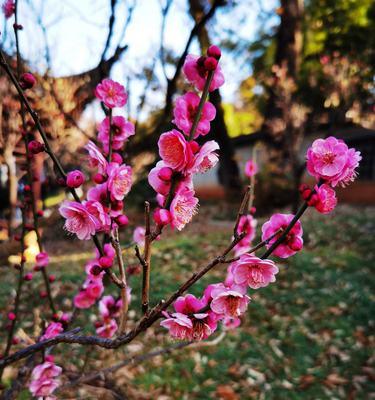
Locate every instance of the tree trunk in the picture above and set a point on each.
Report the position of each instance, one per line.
(284, 118)
(229, 175)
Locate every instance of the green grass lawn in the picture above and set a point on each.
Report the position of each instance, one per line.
(307, 336)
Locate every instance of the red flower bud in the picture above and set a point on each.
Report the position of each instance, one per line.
(165, 174)
(162, 216)
(253, 210)
(117, 205)
(99, 178)
(49, 358)
(105, 262)
(116, 158)
(40, 213)
(52, 278)
(27, 81)
(17, 237)
(43, 294)
(28, 276)
(35, 147)
(210, 64)
(122, 220)
(75, 179)
(95, 270)
(15, 340)
(214, 51)
(194, 146)
(11, 316)
(27, 188)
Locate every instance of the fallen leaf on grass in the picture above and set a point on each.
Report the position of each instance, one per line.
(225, 392)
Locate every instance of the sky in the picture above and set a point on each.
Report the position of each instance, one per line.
(76, 32)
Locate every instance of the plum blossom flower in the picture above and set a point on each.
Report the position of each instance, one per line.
(230, 323)
(292, 243)
(111, 93)
(229, 301)
(109, 307)
(92, 289)
(183, 207)
(332, 161)
(98, 193)
(121, 129)
(324, 200)
(251, 168)
(196, 73)
(158, 181)
(42, 259)
(119, 180)
(206, 158)
(8, 8)
(139, 235)
(253, 272)
(96, 209)
(185, 111)
(179, 326)
(78, 219)
(188, 322)
(106, 328)
(44, 379)
(175, 150)
(96, 158)
(53, 329)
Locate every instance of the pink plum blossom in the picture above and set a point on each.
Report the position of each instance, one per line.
(96, 158)
(79, 220)
(98, 193)
(229, 301)
(157, 181)
(106, 328)
(179, 326)
(231, 323)
(325, 199)
(183, 207)
(119, 180)
(109, 307)
(206, 158)
(44, 379)
(139, 235)
(332, 161)
(8, 8)
(196, 73)
(53, 329)
(111, 93)
(251, 168)
(42, 259)
(121, 130)
(292, 243)
(185, 111)
(175, 150)
(96, 209)
(251, 271)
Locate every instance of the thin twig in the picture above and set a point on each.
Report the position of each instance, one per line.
(147, 260)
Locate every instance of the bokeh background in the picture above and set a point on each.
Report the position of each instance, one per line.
(295, 70)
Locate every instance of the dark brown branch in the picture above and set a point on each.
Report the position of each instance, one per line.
(147, 259)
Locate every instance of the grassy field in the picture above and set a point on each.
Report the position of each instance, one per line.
(308, 336)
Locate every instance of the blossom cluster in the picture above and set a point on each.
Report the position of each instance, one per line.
(181, 155)
(45, 379)
(332, 163)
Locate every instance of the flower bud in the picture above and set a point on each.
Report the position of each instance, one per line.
(74, 179)
(17, 237)
(122, 220)
(210, 64)
(15, 340)
(117, 205)
(52, 278)
(165, 174)
(27, 188)
(28, 276)
(105, 262)
(194, 146)
(40, 213)
(35, 147)
(49, 358)
(11, 316)
(253, 210)
(95, 270)
(214, 51)
(116, 158)
(18, 27)
(27, 81)
(162, 216)
(43, 294)
(99, 178)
